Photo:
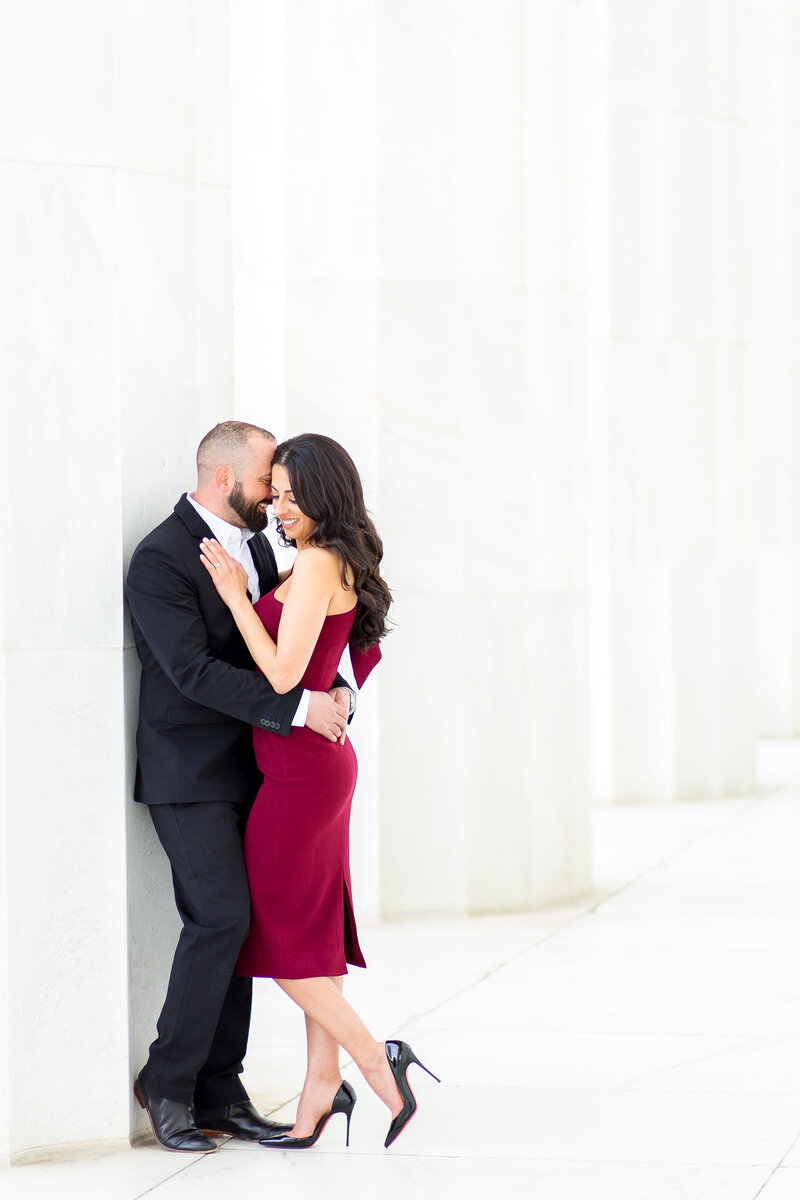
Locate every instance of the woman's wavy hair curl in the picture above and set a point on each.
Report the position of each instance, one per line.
(327, 488)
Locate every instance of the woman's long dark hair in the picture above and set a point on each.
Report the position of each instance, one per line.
(327, 488)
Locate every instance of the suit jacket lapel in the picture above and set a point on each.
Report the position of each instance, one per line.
(192, 520)
(263, 556)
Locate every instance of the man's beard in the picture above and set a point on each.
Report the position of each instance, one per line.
(251, 512)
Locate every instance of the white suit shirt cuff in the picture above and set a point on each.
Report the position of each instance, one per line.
(299, 717)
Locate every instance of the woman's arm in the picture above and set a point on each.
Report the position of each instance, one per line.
(314, 581)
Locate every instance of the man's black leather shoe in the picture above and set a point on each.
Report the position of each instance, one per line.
(240, 1120)
(173, 1123)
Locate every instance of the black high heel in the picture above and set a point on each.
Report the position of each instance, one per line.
(343, 1102)
(401, 1056)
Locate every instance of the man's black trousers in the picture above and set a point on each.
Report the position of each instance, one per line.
(204, 1024)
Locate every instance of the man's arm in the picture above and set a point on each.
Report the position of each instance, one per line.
(166, 609)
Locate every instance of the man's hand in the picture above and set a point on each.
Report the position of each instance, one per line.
(329, 716)
(348, 698)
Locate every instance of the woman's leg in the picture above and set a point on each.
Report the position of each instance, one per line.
(323, 1002)
(323, 1077)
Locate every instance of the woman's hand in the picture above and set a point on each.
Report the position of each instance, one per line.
(229, 576)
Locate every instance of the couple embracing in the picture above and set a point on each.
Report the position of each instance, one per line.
(245, 765)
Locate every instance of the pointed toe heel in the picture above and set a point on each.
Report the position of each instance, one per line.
(343, 1102)
(401, 1056)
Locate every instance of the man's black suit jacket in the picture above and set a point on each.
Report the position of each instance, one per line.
(200, 694)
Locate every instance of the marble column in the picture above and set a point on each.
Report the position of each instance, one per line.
(258, 209)
(115, 336)
(175, 375)
(558, 50)
(771, 299)
(672, 505)
(64, 1016)
(482, 729)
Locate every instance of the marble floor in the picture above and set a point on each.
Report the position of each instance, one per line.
(642, 1043)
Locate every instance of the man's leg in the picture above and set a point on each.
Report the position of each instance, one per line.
(218, 1080)
(205, 1020)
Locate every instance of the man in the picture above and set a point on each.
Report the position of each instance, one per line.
(196, 771)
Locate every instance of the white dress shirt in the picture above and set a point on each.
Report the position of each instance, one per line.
(234, 539)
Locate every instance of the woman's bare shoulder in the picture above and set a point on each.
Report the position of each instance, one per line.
(318, 563)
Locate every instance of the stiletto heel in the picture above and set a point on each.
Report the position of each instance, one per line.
(343, 1102)
(401, 1056)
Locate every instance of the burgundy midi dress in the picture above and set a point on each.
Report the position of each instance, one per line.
(297, 840)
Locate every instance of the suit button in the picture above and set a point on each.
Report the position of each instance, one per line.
(265, 722)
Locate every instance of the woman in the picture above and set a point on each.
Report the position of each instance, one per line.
(302, 929)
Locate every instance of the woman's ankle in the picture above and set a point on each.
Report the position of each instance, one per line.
(322, 1080)
(373, 1059)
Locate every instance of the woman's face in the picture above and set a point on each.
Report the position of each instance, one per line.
(296, 525)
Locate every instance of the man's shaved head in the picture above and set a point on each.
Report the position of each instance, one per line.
(229, 444)
(234, 473)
